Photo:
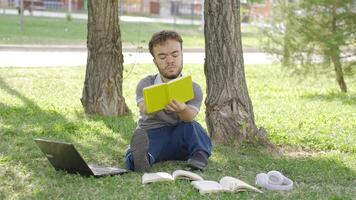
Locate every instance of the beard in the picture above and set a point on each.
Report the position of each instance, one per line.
(170, 76)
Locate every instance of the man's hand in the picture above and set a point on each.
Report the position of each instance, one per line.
(184, 112)
(175, 106)
(142, 108)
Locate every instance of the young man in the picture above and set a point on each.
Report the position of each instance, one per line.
(172, 133)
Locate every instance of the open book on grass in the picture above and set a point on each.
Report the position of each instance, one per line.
(164, 176)
(226, 184)
(157, 97)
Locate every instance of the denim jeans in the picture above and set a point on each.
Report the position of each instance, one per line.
(174, 143)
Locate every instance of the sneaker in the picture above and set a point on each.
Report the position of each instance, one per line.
(199, 160)
(139, 148)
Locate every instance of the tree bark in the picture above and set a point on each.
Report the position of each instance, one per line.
(335, 57)
(229, 112)
(335, 53)
(102, 92)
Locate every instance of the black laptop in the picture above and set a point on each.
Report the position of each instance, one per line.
(64, 156)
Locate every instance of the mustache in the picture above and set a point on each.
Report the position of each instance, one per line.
(170, 66)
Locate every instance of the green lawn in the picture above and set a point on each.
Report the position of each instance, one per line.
(41, 30)
(310, 120)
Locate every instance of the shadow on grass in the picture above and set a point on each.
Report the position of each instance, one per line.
(315, 177)
(348, 99)
(124, 125)
(21, 124)
(25, 172)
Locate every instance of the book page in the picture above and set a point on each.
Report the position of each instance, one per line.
(156, 177)
(206, 187)
(181, 89)
(235, 185)
(155, 97)
(182, 174)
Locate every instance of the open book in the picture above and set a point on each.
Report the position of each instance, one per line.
(156, 97)
(164, 176)
(226, 184)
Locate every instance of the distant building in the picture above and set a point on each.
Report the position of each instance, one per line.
(4, 3)
(261, 10)
(164, 8)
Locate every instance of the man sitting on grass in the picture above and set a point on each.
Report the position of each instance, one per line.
(172, 133)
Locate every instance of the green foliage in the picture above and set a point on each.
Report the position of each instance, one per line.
(313, 36)
(313, 125)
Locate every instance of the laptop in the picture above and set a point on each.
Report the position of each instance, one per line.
(64, 156)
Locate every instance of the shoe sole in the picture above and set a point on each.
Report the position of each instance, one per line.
(196, 165)
(139, 148)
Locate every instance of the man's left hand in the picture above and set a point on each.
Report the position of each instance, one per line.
(175, 106)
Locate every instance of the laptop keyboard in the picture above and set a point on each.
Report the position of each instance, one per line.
(101, 170)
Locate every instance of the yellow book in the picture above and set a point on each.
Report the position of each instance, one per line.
(157, 97)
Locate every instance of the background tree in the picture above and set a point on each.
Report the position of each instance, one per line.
(229, 112)
(314, 36)
(102, 92)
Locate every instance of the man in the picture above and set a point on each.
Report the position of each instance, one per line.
(172, 133)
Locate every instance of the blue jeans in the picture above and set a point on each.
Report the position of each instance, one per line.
(174, 143)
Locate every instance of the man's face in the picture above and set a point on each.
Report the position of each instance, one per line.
(168, 58)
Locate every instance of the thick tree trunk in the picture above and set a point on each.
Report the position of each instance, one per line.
(229, 112)
(102, 92)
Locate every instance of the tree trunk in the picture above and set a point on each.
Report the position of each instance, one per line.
(335, 53)
(335, 57)
(229, 112)
(102, 92)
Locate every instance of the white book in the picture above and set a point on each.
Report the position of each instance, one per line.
(164, 176)
(226, 184)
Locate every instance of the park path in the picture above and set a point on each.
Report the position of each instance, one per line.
(26, 58)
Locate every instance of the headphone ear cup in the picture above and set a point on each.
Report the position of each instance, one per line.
(261, 180)
(275, 178)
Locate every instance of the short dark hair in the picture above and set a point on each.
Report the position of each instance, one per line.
(162, 36)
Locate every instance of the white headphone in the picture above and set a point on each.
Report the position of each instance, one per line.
(274, 180)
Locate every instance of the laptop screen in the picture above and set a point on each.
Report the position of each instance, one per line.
(64, 156)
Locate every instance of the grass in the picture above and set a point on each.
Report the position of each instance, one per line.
(310, 120)
(41, 30)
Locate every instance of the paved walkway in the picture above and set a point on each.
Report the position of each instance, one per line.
(78, 58)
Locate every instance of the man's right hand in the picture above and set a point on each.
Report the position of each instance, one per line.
(142, 108)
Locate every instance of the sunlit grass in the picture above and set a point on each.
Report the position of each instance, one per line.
(310, 120)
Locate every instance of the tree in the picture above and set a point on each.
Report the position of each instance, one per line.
(309, 36)
(102, 92)
(229, 112)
